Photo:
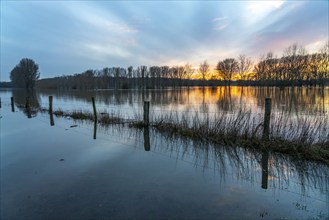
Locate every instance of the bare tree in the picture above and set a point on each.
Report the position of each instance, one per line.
(227, 68)
(203, 69)
(244, 66)
(294, 61)
(130, 71)
(188, 71)
(25, 73)
(155, 73)
(324, 60)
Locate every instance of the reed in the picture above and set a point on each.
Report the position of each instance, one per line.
(304, 137)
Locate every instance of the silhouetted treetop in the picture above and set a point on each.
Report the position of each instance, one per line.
(25, 74)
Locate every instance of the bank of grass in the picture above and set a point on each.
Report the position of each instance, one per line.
(301, 137)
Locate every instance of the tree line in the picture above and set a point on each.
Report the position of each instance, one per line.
(294, 67)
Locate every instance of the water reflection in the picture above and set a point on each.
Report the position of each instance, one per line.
(95, 129)
(264, 164)
(268, 171)
(293, 109)
(51, 117)
(259, 176)
(28, 101)
(147, 146)
(305, 100)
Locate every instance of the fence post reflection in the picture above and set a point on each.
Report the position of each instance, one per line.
(12, 104)
(264, 169)
(147, 146)
(146, 113)
(95, 129)
(52, 123)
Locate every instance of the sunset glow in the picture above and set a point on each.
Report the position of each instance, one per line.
(71, 37)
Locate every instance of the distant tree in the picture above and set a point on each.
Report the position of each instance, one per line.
(188, 71)
(155, 73)
(165, 71)
(244, 66)
(25, 74)
(17, 77)
(324, 60)
(267, 68)
(203, 69)
(130, 71)
(227, 68)
(294, 59)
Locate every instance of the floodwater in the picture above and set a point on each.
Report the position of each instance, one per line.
(74, 170)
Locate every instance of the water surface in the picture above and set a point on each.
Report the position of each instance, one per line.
(62, 172)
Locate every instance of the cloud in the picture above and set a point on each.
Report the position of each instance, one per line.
(69, 37)
(220, 23)
(305, 24)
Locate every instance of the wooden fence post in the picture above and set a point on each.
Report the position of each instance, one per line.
(95, 117)
(146, 113)
(94, 108)
(12, 104)
(267, 117)
(51, 111)
(50, 104)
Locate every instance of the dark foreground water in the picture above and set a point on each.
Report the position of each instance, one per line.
(62, 172)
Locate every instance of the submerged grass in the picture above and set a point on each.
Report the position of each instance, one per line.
(302, 137)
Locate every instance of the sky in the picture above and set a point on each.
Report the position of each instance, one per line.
(68, 37)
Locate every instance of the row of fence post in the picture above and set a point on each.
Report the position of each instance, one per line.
(146, 119)
(266, 130)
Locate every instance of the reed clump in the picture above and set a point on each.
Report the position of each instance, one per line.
(106, 119)
(103, 118)
(78, 114)
(300, 136)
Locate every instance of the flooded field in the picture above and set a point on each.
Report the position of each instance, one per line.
(74, 170)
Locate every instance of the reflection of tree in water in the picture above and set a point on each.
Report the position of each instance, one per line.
(267, 170)
(228, 98)
(224, 102)
(20, 98)
(119, 97)
(296, 99)
(260, 168)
